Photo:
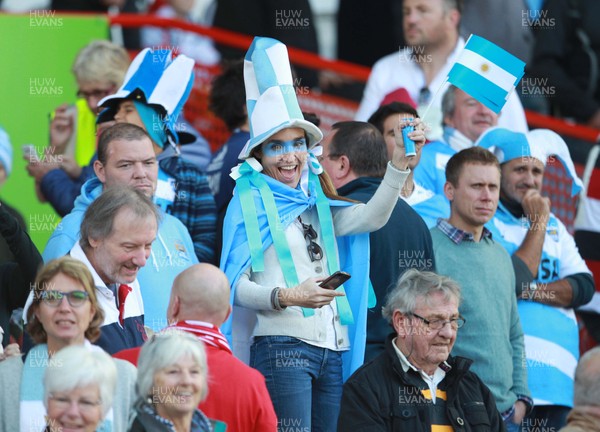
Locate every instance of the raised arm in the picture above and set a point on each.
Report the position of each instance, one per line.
(375, 213)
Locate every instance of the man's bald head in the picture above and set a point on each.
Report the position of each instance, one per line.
(201, 292)
(587, 379)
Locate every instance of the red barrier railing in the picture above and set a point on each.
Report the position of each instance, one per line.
(562, 127)
(241, 41)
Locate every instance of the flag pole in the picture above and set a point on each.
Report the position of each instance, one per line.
(443, 86)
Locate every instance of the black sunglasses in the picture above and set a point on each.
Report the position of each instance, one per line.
(314, 250)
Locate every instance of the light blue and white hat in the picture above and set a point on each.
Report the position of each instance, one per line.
(270, 95)
(540, 144)
(158, 80)
(6, 152)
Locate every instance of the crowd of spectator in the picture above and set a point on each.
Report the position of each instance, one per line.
(296, 280)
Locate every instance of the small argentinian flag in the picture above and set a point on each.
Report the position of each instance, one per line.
(486, 72)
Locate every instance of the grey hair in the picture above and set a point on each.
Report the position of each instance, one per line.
(100, 215)
(163, 350)
(587, 379)
(449, 102)
(415, 284)
(101, 61)
(79, 366)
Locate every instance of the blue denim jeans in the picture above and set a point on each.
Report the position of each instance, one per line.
(304, 381)
(512, 427)
(543, 418)
(546, 418)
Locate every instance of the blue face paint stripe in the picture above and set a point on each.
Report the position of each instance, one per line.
(277, 148)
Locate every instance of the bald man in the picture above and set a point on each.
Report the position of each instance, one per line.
(585, 415)
(237, 394)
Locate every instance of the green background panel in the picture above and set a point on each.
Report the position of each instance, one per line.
(36, 52)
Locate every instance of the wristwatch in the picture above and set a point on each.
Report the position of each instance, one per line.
(531, 289)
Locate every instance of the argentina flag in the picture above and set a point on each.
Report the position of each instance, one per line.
(486, 72)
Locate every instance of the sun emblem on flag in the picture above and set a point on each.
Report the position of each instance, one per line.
(485, 67)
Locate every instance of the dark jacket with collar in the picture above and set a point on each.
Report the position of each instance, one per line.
(377, 397)
(403, 242)
(147, 420)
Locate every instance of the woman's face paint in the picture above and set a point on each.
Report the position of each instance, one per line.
(284, 156)
(274, 148)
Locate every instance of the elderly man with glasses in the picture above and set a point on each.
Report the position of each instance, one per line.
(415, 384)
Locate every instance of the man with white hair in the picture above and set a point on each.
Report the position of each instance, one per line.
(416, 385)
(551, 277)
(126, 159)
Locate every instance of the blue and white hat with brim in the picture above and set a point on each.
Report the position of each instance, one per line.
(158, 80)
(270, 95)
(540, 144)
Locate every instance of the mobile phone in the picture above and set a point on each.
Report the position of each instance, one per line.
(335, 280)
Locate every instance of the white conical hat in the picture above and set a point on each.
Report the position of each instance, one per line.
(270, 95)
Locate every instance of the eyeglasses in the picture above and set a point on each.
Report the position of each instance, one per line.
(314, 250)
(455, 323)
(54, 298)
(321, 158)
(84, 405)
(96, 94)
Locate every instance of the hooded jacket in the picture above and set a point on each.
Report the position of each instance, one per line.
(172, 252)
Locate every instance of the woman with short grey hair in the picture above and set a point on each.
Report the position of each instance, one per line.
(172, 381)
(79, 385)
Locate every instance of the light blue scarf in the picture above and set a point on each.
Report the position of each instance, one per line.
(246, 237)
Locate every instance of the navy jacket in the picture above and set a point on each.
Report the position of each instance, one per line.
(403, 243)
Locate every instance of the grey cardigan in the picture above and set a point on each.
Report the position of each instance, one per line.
(11, 370)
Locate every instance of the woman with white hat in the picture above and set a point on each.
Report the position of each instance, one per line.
(285, 231)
